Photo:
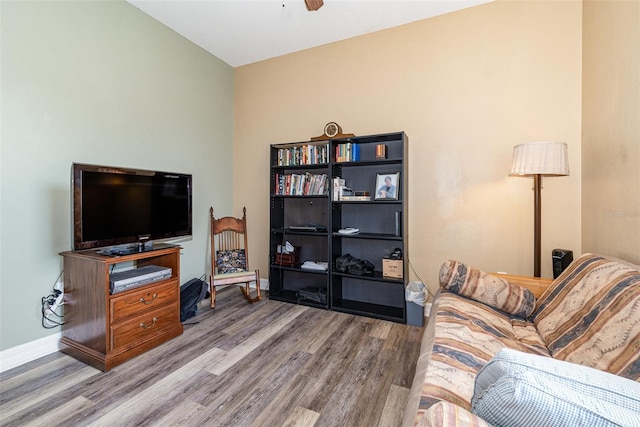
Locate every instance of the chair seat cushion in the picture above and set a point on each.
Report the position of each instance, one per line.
(234, 275)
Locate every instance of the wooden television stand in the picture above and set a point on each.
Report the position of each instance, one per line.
(105, 330)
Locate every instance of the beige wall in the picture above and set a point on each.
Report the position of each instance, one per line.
(97, 82)
(466, 87)
(611, 129)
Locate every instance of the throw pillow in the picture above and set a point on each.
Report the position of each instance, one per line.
(494, 291)
(231, 261)
(520, 389)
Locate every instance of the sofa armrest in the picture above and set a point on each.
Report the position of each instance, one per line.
(537, 285)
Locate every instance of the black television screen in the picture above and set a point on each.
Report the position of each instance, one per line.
(116, 206)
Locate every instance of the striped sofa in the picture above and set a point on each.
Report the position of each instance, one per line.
(589, 316)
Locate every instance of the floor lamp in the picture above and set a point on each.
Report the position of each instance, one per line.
(538, 159)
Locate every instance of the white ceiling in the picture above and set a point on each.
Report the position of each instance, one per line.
(241, 32)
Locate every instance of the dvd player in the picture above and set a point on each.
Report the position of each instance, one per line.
(125, 280)
(308, 227)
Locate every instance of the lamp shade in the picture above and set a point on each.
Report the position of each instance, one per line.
(543, 158)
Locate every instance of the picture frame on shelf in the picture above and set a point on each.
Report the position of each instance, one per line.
(387, 186)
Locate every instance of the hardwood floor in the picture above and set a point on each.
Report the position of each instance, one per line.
(266, 364)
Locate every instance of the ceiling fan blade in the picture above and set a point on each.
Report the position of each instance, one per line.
(313, 4)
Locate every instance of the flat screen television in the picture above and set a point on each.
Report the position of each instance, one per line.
(128, 208)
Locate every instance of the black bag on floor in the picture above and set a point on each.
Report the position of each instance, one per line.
(191, 293)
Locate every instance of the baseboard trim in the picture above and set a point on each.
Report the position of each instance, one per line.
(24, 353)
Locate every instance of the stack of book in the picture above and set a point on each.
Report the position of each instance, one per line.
(303, 155)
(343, 193)
(347, 152)
(305, 184)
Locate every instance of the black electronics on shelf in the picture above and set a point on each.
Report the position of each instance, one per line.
(561, 258)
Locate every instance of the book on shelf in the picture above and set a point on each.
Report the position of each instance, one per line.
(348, 152)
(355, 198)
(338, 183)
(305, 184)
(309, 154)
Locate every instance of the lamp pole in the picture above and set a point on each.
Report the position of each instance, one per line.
(537, 223)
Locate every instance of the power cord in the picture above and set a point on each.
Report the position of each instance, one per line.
(431, 296)
(50, 304)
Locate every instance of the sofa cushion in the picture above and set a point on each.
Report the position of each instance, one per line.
(518, 389)
(466, 335)
(446, 414)
(591, 315)
(486, 288)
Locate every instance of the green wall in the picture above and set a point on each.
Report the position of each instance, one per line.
(97, 82)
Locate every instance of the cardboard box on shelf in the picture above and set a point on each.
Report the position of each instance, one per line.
(392, 268)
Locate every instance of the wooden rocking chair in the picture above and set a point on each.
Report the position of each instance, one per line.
(230, 256)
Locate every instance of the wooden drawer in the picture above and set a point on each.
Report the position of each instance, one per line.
(140, 300)
(146, 326)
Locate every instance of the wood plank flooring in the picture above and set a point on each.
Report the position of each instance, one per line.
(240, 364)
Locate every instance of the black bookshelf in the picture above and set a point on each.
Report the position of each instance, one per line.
(382, 223)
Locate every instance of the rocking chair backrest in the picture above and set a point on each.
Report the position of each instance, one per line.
(228, 234)
(230, 257)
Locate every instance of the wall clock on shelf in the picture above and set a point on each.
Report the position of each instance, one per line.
(332, 130)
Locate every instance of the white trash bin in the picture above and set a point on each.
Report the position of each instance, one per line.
(415, 294)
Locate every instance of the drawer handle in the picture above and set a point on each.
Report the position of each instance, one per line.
(143, 326)
(145, 302)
